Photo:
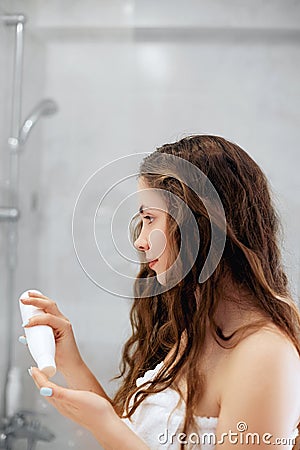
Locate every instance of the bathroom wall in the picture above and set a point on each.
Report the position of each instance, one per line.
(5, 73)
(29, 174)
(130, 76)
(126, 90)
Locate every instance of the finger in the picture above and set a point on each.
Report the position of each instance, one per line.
(57, 323)
(51, 390)
(36, 294)
(43, 303)
(41, 381)
(40, 378)
(32, 373)
(22, 340)
(45, 387)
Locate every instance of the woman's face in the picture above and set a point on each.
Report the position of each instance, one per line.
(153, 236)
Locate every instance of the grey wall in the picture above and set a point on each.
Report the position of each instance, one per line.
(30, 163)
(130, 76)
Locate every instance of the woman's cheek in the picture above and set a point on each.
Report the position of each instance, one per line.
(158, 242)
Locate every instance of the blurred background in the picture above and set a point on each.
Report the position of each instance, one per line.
(123, 77)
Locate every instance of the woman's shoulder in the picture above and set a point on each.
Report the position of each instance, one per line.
(263, 368)
(265, 351)
(269, 341)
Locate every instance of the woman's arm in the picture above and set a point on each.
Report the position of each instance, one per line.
(80, 377)
(114, 434)
(91, 411)
(260, 399)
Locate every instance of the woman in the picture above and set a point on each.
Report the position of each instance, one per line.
(217, 355)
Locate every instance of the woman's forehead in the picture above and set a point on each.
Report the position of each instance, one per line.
(150, 197)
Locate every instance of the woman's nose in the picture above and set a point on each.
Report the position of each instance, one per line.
(141, 243)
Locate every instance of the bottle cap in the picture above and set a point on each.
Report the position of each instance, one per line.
(47, 365)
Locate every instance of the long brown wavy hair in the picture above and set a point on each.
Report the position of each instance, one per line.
(251, 258)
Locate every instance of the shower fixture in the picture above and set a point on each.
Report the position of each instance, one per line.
(22, 424)
(12, 19)
(46, 107)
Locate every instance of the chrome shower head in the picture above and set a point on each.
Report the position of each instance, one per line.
(46, 107)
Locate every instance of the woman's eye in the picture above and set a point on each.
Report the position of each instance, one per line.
(149, 218)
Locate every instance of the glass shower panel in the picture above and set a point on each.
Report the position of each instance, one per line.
(6, 75)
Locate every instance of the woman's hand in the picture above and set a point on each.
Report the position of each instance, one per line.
(91, 411)
(83, 407)
(67, 355)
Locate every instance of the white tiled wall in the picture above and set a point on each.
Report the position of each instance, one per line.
(124, 85)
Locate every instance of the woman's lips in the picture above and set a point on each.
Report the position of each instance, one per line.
(151, 263)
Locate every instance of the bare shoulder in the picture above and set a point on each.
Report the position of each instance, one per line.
(265, 357)
(267, 343)
(260, 384)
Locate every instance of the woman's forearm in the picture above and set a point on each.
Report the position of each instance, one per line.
(80, 377)
(108, 428)
(112, 433)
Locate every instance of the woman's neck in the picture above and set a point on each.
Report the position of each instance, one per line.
(235, 308)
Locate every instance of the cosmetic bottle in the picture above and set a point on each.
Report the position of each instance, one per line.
(40, 338)
(13, 391)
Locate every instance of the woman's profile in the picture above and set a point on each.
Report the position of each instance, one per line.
(217, 358)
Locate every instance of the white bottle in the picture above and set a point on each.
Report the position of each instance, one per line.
(13, 393)
(40, 338)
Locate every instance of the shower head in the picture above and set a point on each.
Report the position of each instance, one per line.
(46, 107)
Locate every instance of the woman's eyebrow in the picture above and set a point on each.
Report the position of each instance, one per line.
(143, 208)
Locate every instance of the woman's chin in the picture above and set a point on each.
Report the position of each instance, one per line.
(161, 278)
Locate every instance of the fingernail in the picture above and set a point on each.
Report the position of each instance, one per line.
(46, 392)
(29, 371)
(22, 340)
(25, 323)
